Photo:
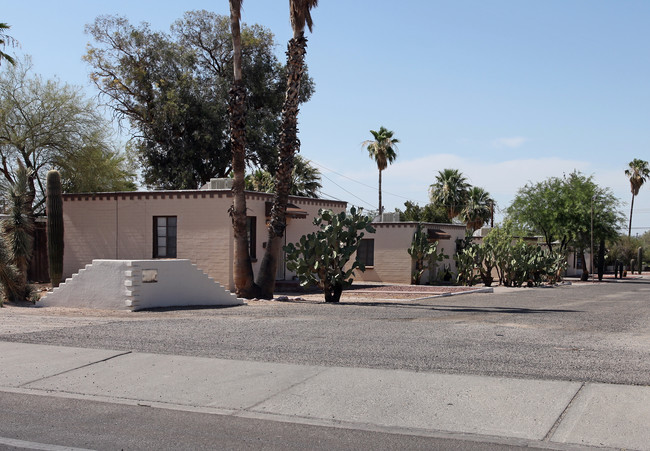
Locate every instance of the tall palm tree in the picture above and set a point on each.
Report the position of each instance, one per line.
(300, 13)
(638, 173)
(477, 209)
(242, 266)
(450, 191)
(5, 40)
(382, 149)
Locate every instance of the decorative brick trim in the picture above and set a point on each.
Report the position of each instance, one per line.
(179, 194)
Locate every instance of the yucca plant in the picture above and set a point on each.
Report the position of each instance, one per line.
(18, 227)
(9, 275)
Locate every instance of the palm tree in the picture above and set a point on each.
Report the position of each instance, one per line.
(305, 180)
(638, 173)
(4, 40)
(382, 150)
(450, 191)
(477, 209)
(242, 266)
(300, 13)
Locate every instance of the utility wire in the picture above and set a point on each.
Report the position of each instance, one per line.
(350, 193)
(355, 181)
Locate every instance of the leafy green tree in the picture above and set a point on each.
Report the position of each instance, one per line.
(321, 258)
(429, 213)
(173, 89)
(560, 209)
(305, 180)
(49, 125)
(382, 149)
(95, 167)
(450, 191)
(638, 172)
(5, 40)
(289, 146)
(477, 210)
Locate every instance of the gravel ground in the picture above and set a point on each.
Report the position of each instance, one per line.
(589, 332)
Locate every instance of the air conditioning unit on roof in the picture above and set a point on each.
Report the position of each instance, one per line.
(219, 183)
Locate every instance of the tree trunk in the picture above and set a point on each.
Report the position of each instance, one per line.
(585, 272)
(381, 208)
(601, 260)
(289, 145)
(629, 230)
(242, 266)
(333, 293)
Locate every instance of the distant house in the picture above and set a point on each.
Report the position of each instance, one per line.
(192, 224)
(385, 253)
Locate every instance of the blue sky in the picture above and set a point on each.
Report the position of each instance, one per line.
(507, 91)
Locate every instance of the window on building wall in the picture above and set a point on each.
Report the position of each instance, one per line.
(164, 236)
(251, 230)
(366, 252)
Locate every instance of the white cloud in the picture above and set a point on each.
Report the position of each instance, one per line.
(510, 143)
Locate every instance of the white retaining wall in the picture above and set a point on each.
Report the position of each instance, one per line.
(139, 284)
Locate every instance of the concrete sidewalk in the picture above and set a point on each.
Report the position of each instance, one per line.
(523, 411)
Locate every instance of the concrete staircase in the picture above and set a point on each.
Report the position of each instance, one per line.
(140, 284)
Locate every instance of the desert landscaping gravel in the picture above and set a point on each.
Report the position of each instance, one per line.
(586, 332)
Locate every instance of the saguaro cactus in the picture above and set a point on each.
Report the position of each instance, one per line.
(54, 227)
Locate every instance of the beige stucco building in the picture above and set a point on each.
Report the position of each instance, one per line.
(388, 259)
(192, 225)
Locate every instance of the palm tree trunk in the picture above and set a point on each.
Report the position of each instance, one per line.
(629, 230)
(289, 145)
(242, 266)
(380, 206)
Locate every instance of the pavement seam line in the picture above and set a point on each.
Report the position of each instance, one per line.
(249, 408)
(75, 369)
(551, 431)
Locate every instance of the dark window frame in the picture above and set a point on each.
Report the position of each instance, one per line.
(171, 234)
(366, 252)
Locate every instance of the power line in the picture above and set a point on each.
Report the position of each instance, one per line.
(355, 181)
(350, 193)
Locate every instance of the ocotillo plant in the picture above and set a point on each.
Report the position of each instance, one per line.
(54, 227)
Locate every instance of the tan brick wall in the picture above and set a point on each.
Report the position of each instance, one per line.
(393, 264)
(120, 226)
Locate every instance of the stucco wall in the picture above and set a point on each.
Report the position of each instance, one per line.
(393, 264)
(139, 284)
(120, 226)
